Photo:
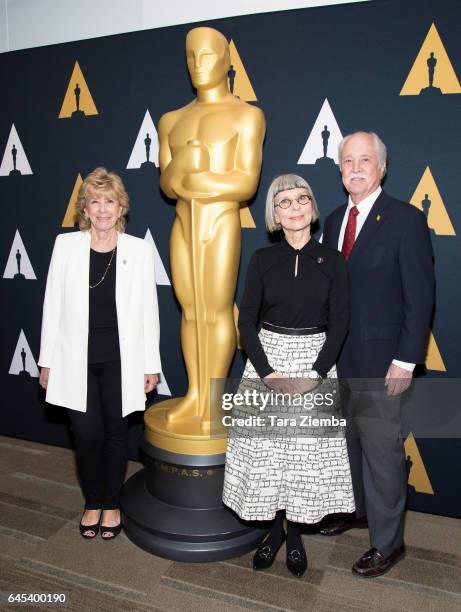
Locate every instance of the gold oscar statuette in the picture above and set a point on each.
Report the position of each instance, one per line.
(210, 162)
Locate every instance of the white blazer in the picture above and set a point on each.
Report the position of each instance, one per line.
(64, 339)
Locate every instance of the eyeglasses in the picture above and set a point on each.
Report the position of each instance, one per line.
(302, 201)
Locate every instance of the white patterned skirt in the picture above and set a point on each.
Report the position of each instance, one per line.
(303, 470)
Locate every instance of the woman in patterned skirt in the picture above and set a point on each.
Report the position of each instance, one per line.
(293, 320)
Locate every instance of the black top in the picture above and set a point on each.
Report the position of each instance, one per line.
(317, 295)
(103, 343)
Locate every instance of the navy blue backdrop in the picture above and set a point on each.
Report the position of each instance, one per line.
(357, 57)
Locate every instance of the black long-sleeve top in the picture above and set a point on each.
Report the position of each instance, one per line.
(103, 341)
(317, 295)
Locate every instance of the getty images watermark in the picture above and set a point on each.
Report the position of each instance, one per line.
(247, 407)
(264, 402)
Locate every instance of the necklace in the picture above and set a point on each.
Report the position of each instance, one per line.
(105, 271)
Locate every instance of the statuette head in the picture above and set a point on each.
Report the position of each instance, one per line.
(208, 57)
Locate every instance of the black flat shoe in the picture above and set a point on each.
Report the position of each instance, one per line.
(265, 555)
(109, 533)
(297, 561)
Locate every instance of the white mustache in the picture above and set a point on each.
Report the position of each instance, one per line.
(361, 175)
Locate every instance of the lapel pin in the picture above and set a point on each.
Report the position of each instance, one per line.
(319, 260)
(378, 218)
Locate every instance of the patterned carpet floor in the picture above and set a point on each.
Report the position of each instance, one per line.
(41, 551)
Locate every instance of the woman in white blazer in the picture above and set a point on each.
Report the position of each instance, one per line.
(99, 351)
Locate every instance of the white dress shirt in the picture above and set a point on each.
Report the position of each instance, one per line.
(364, 208)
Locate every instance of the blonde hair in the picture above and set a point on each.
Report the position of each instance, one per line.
(283, 183)
(101, 180)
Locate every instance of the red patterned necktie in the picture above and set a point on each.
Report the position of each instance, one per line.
(349, 234)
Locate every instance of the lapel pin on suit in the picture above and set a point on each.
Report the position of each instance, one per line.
(319, 260)
(378, 218)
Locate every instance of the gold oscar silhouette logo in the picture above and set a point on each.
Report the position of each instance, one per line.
(78, 101)
(428, 199)
(246, 218)
(432, 73)
(239, 83)
(434, 359)
(69, 217)
(418, 477)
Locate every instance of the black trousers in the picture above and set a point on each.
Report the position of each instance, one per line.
(100, 437)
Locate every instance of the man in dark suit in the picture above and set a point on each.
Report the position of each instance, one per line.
(388, 250)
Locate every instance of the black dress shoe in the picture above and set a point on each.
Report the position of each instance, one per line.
(297, 561)
(341, 525)
(374, 563)
(265, 554)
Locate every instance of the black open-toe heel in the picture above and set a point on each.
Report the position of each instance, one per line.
(92, 529)
(112, 532)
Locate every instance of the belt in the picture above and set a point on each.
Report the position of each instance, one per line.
(294, 331)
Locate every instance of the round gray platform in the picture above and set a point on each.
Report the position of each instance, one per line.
(173, 509)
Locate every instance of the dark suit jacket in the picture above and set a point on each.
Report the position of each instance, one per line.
(391, 277)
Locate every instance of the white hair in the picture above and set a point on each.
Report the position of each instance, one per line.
(380, 147)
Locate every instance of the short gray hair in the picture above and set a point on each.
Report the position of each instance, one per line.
(380, 147)
(283, 183)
